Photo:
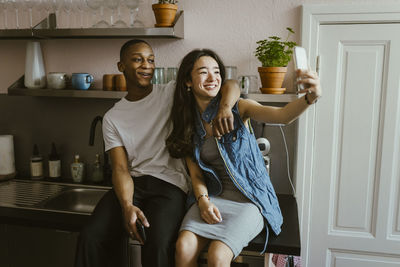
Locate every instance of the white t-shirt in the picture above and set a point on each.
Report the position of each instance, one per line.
(142, 127)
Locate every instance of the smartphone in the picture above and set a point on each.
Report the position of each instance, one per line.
(140, 229)
(300, 61)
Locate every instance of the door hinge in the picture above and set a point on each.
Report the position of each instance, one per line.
(317, 64)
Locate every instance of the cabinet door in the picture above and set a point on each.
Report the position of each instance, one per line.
(4, 250)
(31, 246)
(355, 212)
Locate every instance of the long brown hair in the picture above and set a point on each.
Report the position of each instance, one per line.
(179, 142)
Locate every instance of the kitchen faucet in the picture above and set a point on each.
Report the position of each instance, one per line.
(106, 164)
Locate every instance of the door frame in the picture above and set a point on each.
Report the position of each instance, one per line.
(314, 15)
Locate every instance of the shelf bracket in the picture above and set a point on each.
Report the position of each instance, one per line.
(47, 23)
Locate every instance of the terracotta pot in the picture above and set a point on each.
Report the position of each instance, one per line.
(165, 14)
(272, 77)
(274, 91)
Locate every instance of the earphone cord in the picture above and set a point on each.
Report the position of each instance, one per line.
(287, 160)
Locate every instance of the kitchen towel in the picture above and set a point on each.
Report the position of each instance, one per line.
(7, 163)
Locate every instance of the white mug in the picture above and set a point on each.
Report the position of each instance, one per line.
(57, 80)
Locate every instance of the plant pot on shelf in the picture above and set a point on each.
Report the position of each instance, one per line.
(164, 14)
(272, 79)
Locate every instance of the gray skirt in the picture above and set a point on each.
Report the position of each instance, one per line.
(241, 221)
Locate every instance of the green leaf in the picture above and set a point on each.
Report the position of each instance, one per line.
(273, 52)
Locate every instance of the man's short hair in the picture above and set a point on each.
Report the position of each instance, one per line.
(129, 43)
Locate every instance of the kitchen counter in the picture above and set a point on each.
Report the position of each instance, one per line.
(24, 202)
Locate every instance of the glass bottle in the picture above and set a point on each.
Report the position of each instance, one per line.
(77, 170)
(97, 175)
(36, 164)
(54, 163)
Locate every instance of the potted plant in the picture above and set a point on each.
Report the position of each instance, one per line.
(165, 11)
(274, 55)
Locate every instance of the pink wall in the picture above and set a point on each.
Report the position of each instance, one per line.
(230, 27)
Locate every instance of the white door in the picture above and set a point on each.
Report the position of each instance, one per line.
(355, 211)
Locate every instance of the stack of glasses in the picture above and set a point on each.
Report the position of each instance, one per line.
(25, 14)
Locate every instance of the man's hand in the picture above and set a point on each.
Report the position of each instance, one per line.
(223, 121)
(131, 214)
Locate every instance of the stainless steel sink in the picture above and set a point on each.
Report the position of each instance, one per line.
(82, 200)
(50, 196)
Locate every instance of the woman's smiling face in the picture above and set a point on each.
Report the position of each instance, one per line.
(206, 78)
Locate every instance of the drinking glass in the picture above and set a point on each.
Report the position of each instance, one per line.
(120, 23)
(96, 5)
(133, 6)
(230, 72)
(12, 4)
(138, 23)
(244, 84)
(158, 76)
(67, 6)
(3, 5)
(254, 86)
(29, 4)
(80, 6)
(114, 5)
(171, 74)
(102, 23)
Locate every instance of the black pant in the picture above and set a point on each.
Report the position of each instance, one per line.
(103, 241)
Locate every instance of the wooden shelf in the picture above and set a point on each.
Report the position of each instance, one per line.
(18, 89)
(92, 93)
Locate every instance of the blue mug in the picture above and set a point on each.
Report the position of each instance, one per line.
(81, 81)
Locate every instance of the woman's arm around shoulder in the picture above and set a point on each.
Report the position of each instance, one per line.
(223, 121)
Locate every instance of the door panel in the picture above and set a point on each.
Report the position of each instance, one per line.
(355, 190)
(359, 173)
(355, 258)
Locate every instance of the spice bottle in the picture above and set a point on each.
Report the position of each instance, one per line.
(77, 170)
(97, 175)
(54, 163)
(36, 164)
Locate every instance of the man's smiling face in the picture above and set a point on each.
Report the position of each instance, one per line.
(137, 64)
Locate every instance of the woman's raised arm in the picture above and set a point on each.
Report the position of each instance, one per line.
(284, 115)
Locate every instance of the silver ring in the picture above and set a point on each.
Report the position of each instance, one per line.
(309, 91)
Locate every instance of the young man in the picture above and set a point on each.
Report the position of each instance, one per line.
(148, 185)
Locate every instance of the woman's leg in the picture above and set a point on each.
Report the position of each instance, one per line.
(188, 248)
(219, 254)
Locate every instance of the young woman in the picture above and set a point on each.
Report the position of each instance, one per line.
(232, 193)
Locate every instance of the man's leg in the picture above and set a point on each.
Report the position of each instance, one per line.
(103, 239)
(164, 208)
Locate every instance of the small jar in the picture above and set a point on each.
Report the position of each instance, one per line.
(77, 170)
(36, 164)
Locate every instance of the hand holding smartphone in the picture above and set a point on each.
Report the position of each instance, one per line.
(140, 229)
(300, 61)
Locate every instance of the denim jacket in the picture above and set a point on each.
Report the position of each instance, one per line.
(244, 164)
